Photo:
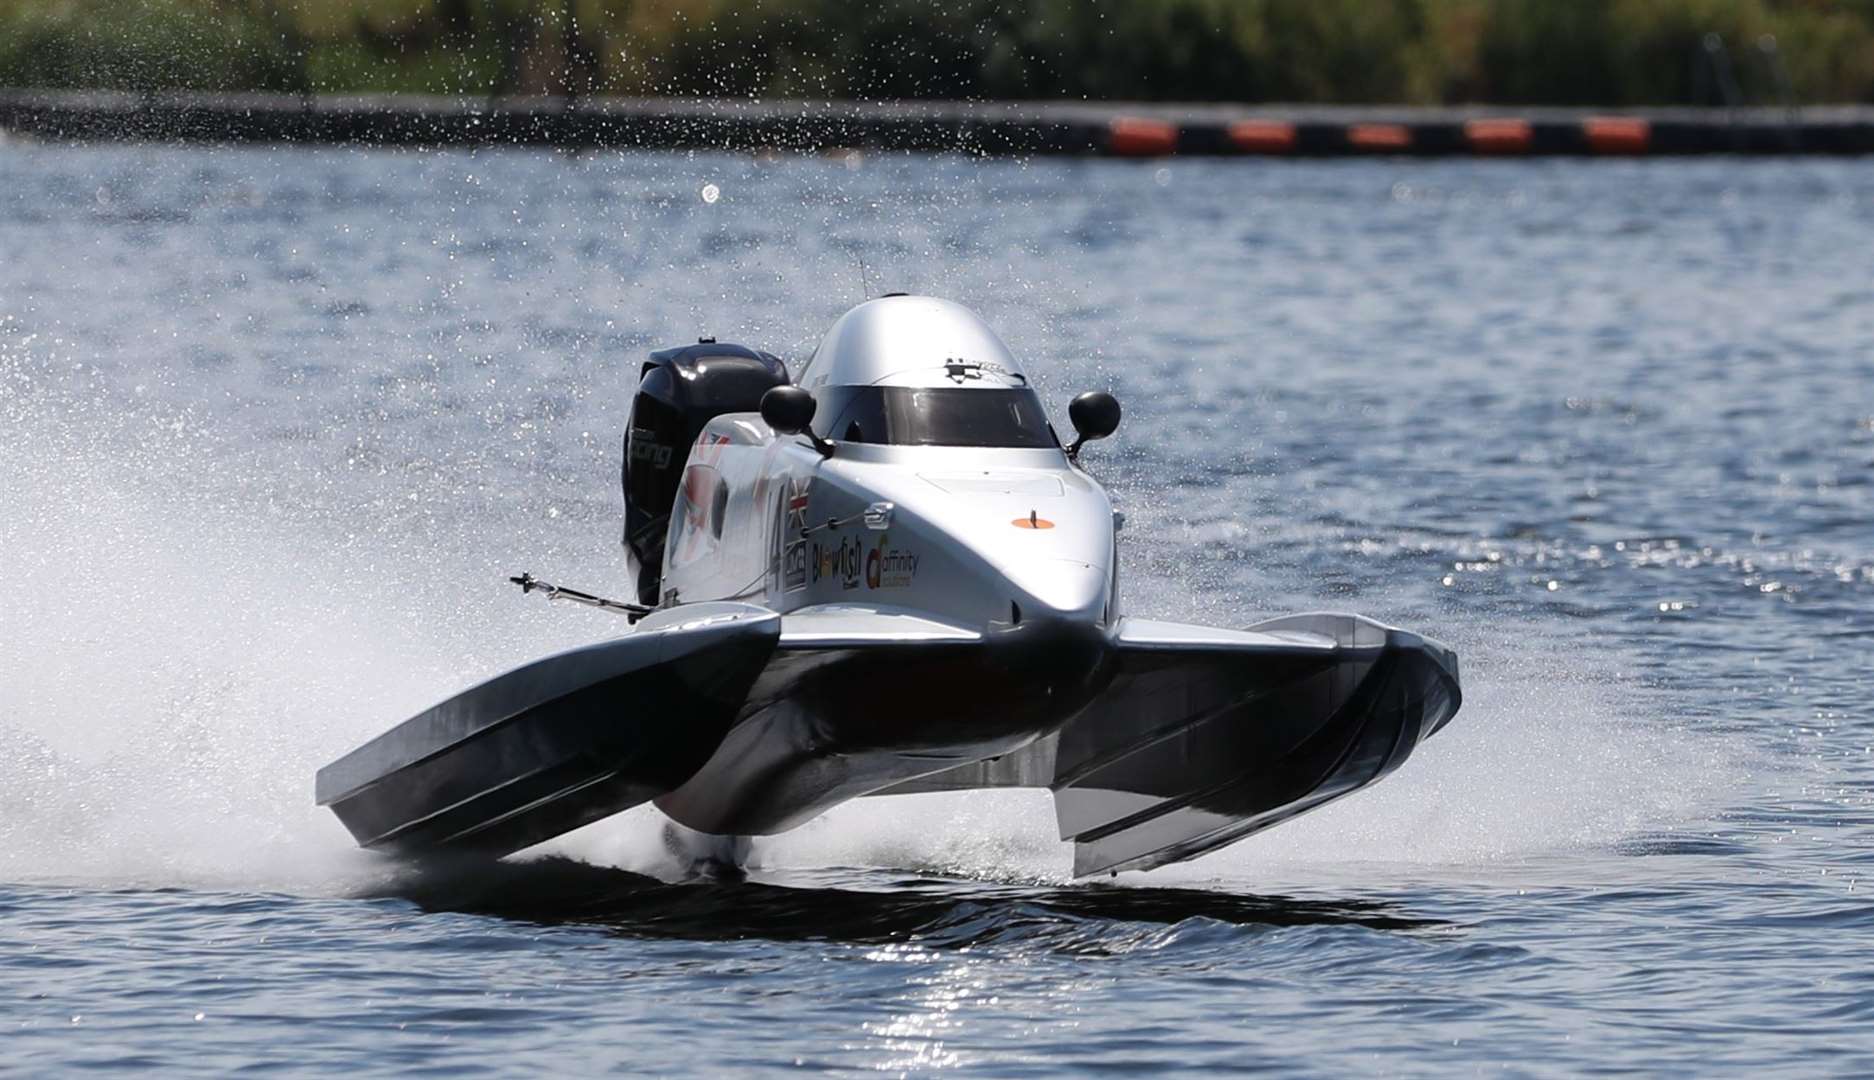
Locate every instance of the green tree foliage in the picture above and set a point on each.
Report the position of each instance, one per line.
(1599, 52)
(149, 45)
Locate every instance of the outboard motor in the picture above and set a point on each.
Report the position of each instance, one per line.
(680, 390)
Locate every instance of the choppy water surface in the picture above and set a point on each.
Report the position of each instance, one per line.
(275, 423)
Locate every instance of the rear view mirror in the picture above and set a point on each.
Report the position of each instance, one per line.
(789, 410)
(1095, 415)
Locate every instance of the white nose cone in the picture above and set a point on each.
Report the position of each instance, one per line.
(1063, 588)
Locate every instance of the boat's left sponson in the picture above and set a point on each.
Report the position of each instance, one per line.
(494, 768)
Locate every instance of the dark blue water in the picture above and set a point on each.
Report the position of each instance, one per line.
(275, 423)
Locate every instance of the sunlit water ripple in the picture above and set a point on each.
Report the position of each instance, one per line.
(274, 423)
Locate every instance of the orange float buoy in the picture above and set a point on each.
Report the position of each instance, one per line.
(1617, 134)
(1493, 135)
(1380, 138)
(1263, 136)
(1131, 136)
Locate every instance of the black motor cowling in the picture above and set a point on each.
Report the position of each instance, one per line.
(680, 390)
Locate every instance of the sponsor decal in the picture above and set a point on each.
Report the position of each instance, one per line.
(794, 569)
(959, 371)
(708, 448)
(888, 567)
(1003, 373)
(767, 472)
(842, 561)
(1032, 521)
(697, 506)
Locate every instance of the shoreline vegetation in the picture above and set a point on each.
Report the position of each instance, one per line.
(1426, 52)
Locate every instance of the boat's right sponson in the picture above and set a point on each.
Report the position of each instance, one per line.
(1198, 744)
(1206, 736)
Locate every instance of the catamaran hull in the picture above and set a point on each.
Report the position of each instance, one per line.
(887, 575)
(1159, 742)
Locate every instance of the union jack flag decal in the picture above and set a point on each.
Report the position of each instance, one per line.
(793, 528)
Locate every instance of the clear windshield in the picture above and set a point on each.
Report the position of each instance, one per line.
(939, 416)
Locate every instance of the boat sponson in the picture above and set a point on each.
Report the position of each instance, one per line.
(1233, 768)
(557, 743)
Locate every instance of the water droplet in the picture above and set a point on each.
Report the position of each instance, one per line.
(711, 193)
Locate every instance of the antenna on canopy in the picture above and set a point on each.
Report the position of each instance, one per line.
(865, 283)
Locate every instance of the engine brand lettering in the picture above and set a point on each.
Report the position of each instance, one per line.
(643, 449)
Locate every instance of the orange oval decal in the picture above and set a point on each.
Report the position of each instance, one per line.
(1032, 522)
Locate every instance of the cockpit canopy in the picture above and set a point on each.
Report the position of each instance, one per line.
(934, 416)
(911, 341)
(919, 371)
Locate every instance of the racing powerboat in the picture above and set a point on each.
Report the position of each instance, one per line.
(890, 576)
